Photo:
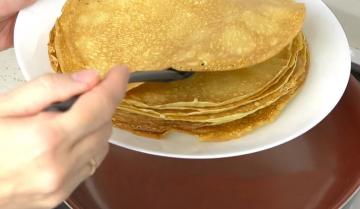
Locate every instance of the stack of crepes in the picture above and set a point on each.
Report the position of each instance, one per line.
(250, 59)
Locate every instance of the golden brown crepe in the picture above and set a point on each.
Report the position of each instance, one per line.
(157, 127)
(229, 88)
(250, 59)
(198, 35)
(214, 89)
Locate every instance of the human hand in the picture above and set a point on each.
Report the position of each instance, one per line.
(44, 156)
(8, 14)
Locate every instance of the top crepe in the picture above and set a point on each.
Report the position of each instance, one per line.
(191, 35)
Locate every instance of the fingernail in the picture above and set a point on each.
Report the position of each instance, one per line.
(85, 76)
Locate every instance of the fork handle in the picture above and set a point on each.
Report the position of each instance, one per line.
(135, 77)
(62, 106)
(167, 75)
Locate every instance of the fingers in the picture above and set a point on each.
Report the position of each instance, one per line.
(96, 107)
(7, 32)
(95, 147)
(36, 95)
(9, 7)
(8, 14)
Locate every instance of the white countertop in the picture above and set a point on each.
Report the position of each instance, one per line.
(10, 75)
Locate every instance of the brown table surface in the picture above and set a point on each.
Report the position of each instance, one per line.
(320, 169)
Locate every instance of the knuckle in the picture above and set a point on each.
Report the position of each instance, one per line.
(52, 179)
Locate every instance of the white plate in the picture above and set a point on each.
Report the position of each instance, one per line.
(326, 82)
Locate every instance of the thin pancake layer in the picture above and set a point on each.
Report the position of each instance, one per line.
(243, 106)
(252, 103)
(156, 128)
(213, 89)
(237, 88)
(224, 132)
(235, 113)
(199, 35)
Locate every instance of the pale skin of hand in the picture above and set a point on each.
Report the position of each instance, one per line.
(44, 156)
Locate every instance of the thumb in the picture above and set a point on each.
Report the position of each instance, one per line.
(9, 7)
(33, 97)
(98, 104)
